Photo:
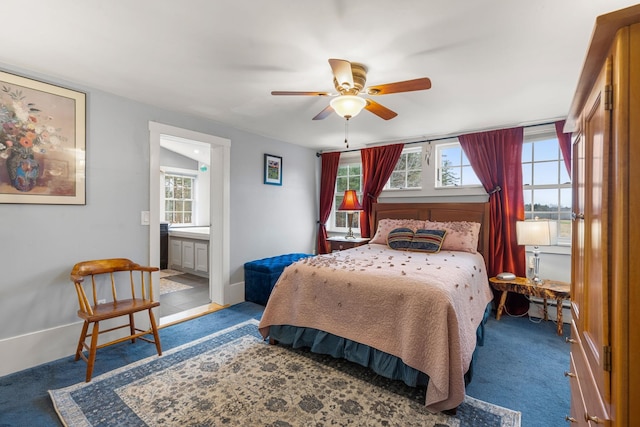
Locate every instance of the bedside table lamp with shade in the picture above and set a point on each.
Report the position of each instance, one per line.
(350, 205)
(537, 233)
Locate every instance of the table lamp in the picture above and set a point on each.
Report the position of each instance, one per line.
(537, 233)
(350, 205)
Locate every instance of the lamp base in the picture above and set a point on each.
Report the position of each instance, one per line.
(350, 234)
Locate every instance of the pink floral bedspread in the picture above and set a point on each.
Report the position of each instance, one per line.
(423, 308)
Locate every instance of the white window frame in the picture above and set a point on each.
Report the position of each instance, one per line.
(181, 173)
(461, 167)
(415, 148)
(351, 158)
(545, 133)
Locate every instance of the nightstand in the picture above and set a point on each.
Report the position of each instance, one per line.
(549, 289)
(339, 243)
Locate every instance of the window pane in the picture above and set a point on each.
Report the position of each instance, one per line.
(341, 184)
(414, 179)
(527, 200)
(565, 199)
(343, 170)
(414, 161)
(546, 150)
(355, 170)
(397, 179)
(465, 160)
(545, 173)
(469, 177)
(527, 176)
(452, 154)
(545, 201)
(564, 174)
(354, 183)
(527, 153)
(402, 163)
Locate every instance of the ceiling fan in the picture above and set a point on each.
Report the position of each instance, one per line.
(349, 80)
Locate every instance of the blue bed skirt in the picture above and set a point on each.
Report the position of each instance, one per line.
(381, 363)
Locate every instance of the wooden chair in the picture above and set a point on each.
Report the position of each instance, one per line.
(105, 303)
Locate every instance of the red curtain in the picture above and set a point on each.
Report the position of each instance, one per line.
(565, 144)
(377, 165)
(327, 189)
(496, 158)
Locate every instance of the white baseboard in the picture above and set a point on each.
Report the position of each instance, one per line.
(33, 349)
(536, 309)
(236, 293)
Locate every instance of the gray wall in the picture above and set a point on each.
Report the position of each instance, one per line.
(41, 243)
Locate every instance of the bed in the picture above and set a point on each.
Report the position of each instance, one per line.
(409, 315)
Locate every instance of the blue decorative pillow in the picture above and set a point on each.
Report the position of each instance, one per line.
(400, 238)
(427, 241)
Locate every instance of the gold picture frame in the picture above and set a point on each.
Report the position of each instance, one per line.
(42, 142)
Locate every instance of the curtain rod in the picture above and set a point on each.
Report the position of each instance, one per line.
(443, 137)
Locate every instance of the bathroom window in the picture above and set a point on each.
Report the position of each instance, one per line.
(178, 199)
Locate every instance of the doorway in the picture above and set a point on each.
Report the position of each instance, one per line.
(218, 254)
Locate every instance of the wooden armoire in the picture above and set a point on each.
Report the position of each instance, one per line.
(604, 371)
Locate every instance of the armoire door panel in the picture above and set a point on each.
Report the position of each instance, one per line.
(595, 313)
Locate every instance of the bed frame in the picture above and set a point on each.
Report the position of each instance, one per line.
(472, 212)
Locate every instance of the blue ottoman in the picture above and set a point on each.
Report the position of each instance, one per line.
(261, 275)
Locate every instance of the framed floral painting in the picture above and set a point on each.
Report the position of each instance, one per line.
(272, 169)
(42, 142)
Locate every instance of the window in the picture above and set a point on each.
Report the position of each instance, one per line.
(547, 186)
(408, 171)
(178, 199)
(349, 178)
(454, 169)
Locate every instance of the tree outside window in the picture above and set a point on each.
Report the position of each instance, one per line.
(178, 199)
(454, 169)
(408, 171)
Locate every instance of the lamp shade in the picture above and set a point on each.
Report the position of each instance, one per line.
(537, 232)
(350, 202)
(348, 105)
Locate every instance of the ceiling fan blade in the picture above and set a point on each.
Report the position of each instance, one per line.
(380, 110)
(405, 86)
(342, 72)
(285, 92)
(324, 113)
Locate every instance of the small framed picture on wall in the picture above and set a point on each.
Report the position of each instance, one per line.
(272, 169)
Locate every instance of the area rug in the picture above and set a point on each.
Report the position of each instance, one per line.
(168, 285)
(233, 378)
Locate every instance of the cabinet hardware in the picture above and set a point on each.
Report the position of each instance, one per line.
(569, 374)
(569, 419)
(575, 216)
(593, 418)
(570, 340)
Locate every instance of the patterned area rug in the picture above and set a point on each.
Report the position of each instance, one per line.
(233, 378)
(167, 285)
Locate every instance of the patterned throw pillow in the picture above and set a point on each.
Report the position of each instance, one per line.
(386, 225)
(400, 238)
(461, 235)
(427, 241)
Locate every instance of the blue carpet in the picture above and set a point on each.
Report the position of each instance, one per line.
(520, 367)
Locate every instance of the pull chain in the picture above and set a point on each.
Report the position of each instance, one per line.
(346, 132)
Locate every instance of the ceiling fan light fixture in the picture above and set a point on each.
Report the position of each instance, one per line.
(348, 106)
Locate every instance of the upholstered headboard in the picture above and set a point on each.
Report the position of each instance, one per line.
(473, 212)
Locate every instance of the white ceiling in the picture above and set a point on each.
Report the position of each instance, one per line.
(492, 63)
